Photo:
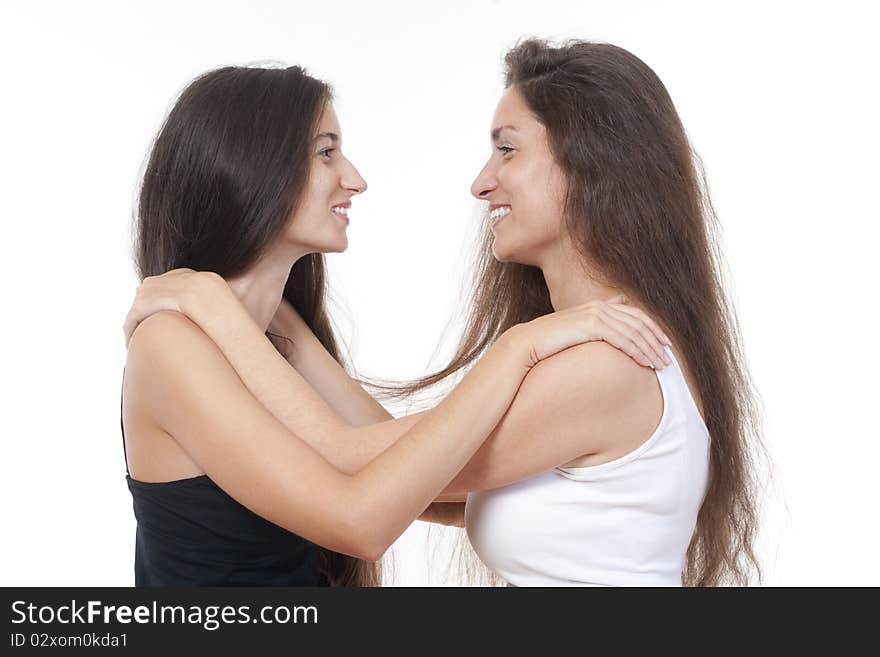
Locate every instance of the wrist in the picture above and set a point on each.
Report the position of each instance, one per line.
(514, 344)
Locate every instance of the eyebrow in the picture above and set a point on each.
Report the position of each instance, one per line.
(497, 131)
(332, 136)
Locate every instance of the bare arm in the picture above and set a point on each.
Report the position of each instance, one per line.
(283, 391)
(346, 396)
(309, 357)
(249, 454)
(540, 412)
(590, 399)
(570, 405)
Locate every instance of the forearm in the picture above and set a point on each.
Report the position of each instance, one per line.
(283, 391)
(406, 478)
(403, 474)
(262, 369)
(309, 357)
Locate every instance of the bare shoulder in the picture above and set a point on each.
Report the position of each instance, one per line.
(602, 368)
(167, 343)
(605, 397)
(587, 404)
(163, 332)
(171, 359)
(161, 343)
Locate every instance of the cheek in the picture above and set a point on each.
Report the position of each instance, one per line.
(552, 185)
(517, 186)
(531, 189)
(543, 207)
(321, 187)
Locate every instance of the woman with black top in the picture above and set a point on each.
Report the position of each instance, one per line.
(246, 180)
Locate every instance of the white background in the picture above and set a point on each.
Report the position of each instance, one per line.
(779, 99)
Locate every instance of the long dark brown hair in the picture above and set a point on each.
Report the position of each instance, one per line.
(226, 173)
(638, 208)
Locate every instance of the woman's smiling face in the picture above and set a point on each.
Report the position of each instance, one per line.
(523, 183)
(320, 222)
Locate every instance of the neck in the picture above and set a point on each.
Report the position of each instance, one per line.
(261, 287)
(570, 281)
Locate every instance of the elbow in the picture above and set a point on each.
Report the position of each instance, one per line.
(372, 552)
(365, 546)
(364, 535)
(372, 538)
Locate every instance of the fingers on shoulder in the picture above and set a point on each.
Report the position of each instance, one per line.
(608, 361)
(595, 367)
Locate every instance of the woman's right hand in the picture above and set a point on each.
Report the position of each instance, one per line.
(176, 290)
(613, 321)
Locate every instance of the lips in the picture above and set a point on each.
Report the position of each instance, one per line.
(341, 211)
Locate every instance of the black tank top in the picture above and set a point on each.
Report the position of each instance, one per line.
(191, 533)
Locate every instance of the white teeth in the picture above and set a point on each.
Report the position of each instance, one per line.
(497, 213)
(341, 210)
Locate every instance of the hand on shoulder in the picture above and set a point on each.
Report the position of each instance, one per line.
(588, 400)
(596, 368)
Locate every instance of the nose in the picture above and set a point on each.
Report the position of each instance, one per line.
(352, 180)
(484, 183)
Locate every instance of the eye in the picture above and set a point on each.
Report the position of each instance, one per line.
(326, 152)
(505, 150)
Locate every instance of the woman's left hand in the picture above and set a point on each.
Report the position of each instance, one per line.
(173, 290)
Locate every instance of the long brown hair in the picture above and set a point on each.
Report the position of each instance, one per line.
(638, 208)
(225, 174)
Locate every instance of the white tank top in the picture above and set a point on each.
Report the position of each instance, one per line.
(627, 522)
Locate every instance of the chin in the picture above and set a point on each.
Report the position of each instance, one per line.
(334, 248)
(335, 244)
(338, 246)
(503, 252)
(517, 256)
